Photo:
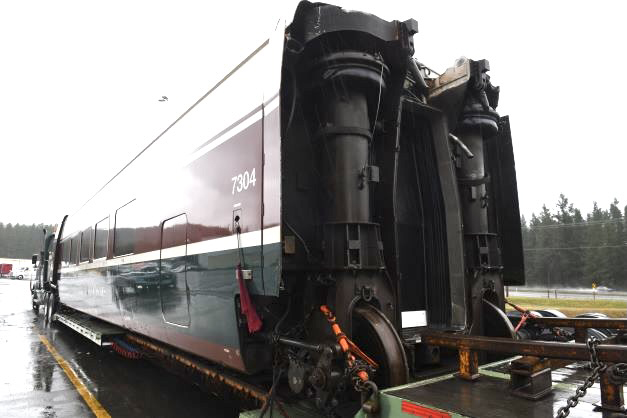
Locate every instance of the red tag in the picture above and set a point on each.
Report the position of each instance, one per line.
(421, 411)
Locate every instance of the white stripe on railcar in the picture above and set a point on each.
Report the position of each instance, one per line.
(247, 239)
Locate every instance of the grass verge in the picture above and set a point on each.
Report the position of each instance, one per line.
(572, 307)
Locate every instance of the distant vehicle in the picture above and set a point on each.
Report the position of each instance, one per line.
(5, 269)
(604, 289)
(22, 273)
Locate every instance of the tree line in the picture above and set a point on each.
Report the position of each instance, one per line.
(562, 248)
(21, 241)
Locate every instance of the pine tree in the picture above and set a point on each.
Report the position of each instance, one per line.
(541, 254)
(21, 241)
(596, 268)
(616, 251)
(568, 239)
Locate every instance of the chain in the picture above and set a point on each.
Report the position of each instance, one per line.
(369, 395)
(597, 369)
(620, 370)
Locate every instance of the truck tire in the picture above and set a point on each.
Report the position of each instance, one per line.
(50, 305)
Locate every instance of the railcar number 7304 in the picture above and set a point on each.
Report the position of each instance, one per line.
(243, 181)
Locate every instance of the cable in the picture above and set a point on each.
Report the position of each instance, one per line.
(421, 85)
(376, 115)
(293, 105)
(270, 401)
(421, 65)
(300, 239)
(277, 327)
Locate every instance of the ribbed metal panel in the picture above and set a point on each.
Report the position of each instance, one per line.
(421, 225)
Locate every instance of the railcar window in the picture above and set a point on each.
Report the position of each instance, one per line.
(74, 251)
(67, 245)
(174, 232)
(86, 244)
(124, 230)
(101, 237)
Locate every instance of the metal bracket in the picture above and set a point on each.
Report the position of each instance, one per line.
(612, 398)
(530, 378)
(246, 275)
(93, 329)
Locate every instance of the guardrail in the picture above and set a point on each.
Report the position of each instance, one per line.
(556, 293)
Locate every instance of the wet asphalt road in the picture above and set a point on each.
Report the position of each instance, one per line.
(33, 384)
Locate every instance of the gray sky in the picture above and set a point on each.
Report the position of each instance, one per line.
(80, 83)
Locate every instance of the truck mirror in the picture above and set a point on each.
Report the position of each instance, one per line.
(34, 259)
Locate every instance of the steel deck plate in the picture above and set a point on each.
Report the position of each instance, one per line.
(91, 328)
(489, 396)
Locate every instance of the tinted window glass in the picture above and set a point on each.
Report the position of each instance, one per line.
(124, 233)
(174, 232)
(85, 244)
(74, 251)
(101, 238)
(66, 251)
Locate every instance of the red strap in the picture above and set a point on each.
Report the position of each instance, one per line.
(248, 309)
(519, 309)
(525, 314)
(522, 321)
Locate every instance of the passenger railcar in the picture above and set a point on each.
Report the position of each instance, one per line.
(342, 177)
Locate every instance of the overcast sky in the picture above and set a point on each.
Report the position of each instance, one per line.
(80, 83)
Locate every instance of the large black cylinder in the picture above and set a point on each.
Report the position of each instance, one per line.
(344, 158)
(346, 90)
(471, 175)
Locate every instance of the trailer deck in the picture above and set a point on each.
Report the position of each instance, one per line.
(489, 396)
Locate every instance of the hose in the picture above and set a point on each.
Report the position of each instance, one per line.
(269, 403)
(421, 85)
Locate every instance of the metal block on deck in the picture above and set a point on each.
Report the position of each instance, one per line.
(530, 377)
(468, 365)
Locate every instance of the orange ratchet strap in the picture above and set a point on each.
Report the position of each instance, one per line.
(347, 345)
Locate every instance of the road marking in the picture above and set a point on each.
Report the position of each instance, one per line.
(89, 398)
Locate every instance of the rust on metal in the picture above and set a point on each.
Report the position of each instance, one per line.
(611, 392)
(215, 375)
(530, 364)
(611, 323)
(573, 351)
(581, 335)
(468, 364)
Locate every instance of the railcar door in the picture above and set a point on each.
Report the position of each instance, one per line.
(173, 269)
